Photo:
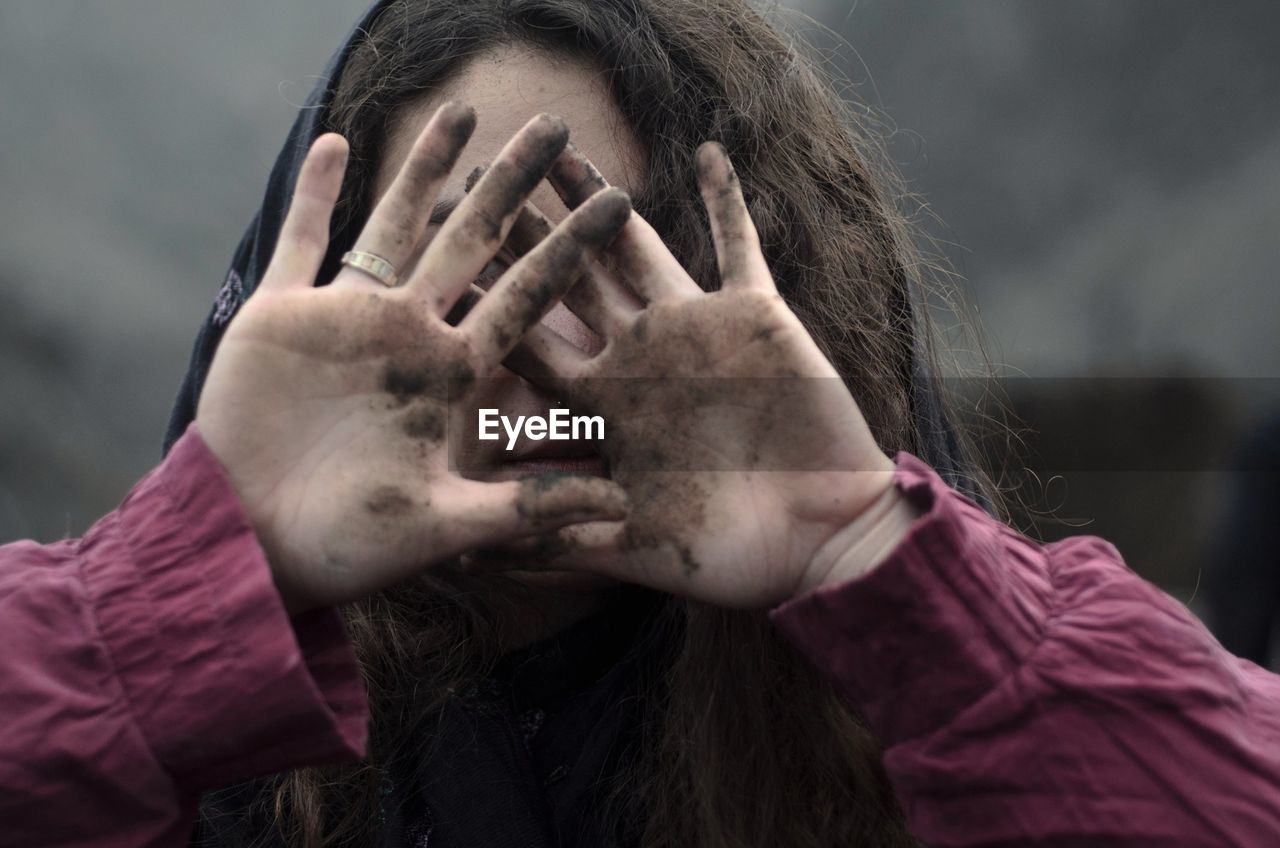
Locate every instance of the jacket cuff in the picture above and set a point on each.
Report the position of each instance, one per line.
(957, 606)
(222, 683)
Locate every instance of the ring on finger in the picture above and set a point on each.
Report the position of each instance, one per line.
(373, 265)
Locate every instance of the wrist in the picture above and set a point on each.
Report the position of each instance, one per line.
(863, 544)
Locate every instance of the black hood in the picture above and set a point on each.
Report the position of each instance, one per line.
(259, 241)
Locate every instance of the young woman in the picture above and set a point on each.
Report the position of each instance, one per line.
(752, 616)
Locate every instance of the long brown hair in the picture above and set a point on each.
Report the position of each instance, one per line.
(745, 744)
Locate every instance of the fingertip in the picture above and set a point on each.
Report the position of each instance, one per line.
(712, 162)
(546, 137)
(555, 127)
(456, 110)
(331, 143)
(459, 120)
(329, 153)
(616, 197)
(608, 212)
(710, 148)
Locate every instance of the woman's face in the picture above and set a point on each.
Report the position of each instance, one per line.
(508, 87)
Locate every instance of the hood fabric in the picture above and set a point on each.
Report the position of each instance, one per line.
(259, 241)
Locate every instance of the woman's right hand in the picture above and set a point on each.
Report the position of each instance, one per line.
(328, 407)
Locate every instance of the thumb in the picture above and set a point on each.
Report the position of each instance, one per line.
(488, 515)
(598, 548)
(607, 548)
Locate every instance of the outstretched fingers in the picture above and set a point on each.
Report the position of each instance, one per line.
(476, 229)
(304, 237)
(638, 257)
(738, 252)
(541, 277)
(575, 178)
(397, 224)
(599, 300)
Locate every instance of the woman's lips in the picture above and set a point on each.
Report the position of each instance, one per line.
(591, 466)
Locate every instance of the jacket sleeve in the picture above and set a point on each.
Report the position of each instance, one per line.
(153, 659)
(1030, 694)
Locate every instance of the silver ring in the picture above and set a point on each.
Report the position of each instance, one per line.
(373, 265)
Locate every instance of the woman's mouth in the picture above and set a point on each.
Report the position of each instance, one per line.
(591, 465)
(553, 457)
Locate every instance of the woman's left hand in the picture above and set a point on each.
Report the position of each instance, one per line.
(745, 457)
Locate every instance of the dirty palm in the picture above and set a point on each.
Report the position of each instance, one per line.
(740, 537)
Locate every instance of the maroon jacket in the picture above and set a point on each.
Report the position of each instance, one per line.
(1023, 692)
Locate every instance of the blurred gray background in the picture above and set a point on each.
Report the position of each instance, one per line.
(1105, 174)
